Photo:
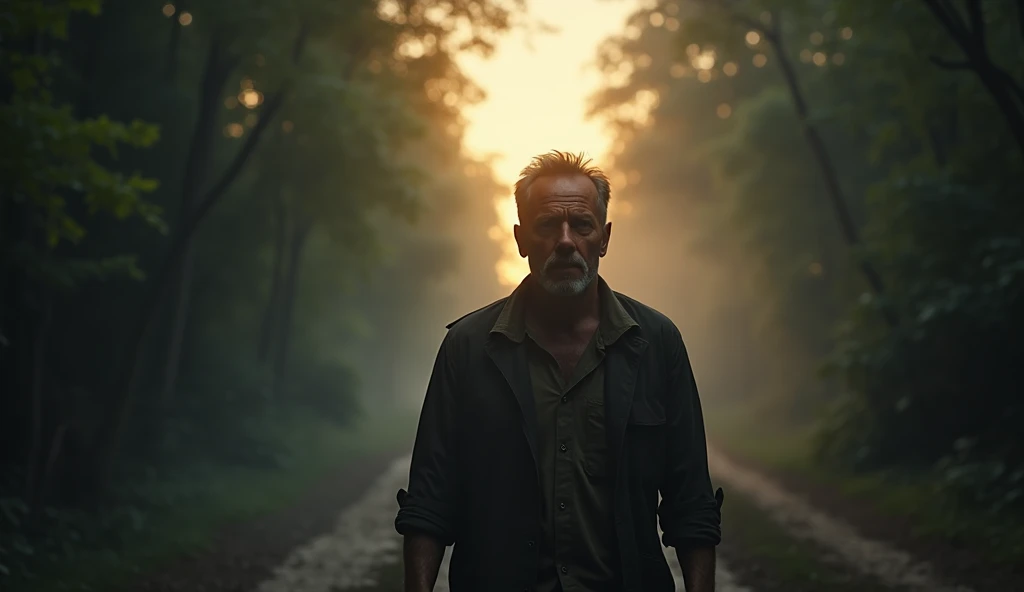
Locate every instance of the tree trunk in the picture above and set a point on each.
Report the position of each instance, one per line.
(113, 421)
(215, 73)
(38, 372)
(851, 234)
(181, 301)
(300, 234)
(970, 36)
(273, 309)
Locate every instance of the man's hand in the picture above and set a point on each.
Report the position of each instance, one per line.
(698, 568)
(422, 554)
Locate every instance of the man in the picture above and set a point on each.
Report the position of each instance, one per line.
(553, 420)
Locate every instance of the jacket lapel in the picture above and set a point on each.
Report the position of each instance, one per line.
(622, 361)
(510, 358)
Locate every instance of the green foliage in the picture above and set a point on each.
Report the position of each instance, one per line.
(51, 157)
(930, 169)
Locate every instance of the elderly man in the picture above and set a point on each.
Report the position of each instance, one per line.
(553, 420)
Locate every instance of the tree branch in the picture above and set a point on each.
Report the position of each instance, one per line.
(976, 15)
(950, 64)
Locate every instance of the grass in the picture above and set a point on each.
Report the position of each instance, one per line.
(763, 554)
(216, 497)
(750, 434)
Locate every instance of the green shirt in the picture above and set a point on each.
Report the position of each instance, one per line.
(578, 552)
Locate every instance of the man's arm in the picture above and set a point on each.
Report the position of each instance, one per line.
(428, 511)
(422, 554)
(690, 511)
(698, 568)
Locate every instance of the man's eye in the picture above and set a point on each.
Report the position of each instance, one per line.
(583, 225)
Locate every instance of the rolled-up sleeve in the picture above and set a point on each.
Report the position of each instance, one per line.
(690, 511)
(429, 505)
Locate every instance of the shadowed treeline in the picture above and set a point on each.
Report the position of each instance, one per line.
(835, 185)
(224, 227)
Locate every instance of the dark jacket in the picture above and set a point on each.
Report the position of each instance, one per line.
(474, 479)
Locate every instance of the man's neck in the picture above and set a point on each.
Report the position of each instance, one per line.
(562, 314)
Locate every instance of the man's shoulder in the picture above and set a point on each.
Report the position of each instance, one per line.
(478, 321)
(652, 321)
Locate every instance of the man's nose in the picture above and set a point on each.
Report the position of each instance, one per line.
(565, 242)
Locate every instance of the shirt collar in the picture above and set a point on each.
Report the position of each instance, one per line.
(614, 321)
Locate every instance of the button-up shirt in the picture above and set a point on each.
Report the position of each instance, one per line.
(578, 544)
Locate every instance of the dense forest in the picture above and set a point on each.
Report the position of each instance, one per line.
(843, 182)
(219, 222)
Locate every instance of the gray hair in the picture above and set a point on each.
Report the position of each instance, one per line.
(563, 163)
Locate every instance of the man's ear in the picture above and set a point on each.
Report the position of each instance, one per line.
(517, 231)
(607, 237)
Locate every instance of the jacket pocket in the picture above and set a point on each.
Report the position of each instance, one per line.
(646, 441)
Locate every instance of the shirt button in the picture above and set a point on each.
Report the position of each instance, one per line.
(565, 399)
(561, 506)
(565, 569)
(529, 544)
(563, 448)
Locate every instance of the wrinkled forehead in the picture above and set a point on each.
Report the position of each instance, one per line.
(561, 192)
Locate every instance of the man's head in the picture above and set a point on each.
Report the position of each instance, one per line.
(563, 225)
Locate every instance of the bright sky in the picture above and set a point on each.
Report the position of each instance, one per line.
(537, 91)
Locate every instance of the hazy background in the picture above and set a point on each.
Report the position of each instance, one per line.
(232, 234)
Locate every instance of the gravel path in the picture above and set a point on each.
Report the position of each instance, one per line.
(873, 558)
(364, 544)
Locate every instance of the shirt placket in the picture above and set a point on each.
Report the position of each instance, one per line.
(567, 447)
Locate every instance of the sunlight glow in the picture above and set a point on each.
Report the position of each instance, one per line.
(538, 87)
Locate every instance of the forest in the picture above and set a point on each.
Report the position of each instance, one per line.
(852, 170)
(231, 234)
(211, 214)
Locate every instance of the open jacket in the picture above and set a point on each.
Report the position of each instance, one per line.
(474, 480)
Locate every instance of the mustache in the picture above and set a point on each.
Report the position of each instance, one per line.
(576, 260)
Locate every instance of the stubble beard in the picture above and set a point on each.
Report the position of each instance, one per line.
(567, 287)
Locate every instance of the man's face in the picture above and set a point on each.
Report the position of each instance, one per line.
(561, 233)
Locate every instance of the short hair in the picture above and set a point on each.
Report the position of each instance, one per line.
(563, 163)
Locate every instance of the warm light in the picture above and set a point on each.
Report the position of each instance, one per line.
(730, 68)
(633, 32)
(643, 60)
(820, 59)
(620, 206)
(672, 24)
(693, 50)
(704, 75)
(760, 60)
(250, 98)
(671, 8)
(704, 61)
(495, 233)
(677, 71)
(511, 267)
(817, 38)
(633, 177)
(451, 99)
(657, 19)
(185, 18)
(806, 56)
(234, 130)
(724, 110)
(753, 38)
(838, 59)
(287, 126)
(846, 33)
(168, 10)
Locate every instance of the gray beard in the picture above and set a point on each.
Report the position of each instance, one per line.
(571, 287)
